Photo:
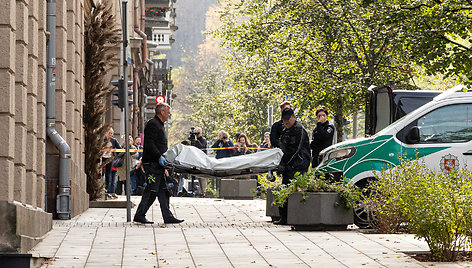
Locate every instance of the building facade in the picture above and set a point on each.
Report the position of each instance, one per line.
(28, 160)
(31, 158)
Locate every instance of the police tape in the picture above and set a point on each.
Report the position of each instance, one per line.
(124, 150)
(206, 149)
(224, 148)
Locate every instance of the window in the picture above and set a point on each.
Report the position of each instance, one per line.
(451, 123)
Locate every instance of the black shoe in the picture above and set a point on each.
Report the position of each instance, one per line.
(143, 220)
(173, 220)
(281, 222)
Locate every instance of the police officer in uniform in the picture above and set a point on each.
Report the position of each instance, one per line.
(322, 135)
(295, 145)
(278, 127)
(155, 144)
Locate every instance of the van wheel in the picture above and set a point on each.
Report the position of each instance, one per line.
(364, 216)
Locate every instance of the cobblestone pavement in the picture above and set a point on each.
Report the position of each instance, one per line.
(216, 233)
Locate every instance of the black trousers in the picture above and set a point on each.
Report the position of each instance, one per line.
(155, 189)
(148, 198)
(287, 175)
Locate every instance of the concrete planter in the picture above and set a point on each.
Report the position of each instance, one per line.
(271, 210)
(238, 188)
(319, 212)
(15, 260)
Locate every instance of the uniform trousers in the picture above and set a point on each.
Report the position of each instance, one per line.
(287, 175)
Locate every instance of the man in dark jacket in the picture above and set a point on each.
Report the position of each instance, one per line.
(155, 144)
(295, 145)
(278, 127)
(200, 142)
(222, 144)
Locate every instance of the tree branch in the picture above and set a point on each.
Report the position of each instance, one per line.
(454, 42)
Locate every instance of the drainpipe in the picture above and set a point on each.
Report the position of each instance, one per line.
(63, 199)
(137, 29)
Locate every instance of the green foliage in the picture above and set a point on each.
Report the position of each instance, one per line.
(219, 106)
(317, 52)
(436, 205)
(210, 192)
(381, 198)
(308, 182)
(264, 184)
(436, 32)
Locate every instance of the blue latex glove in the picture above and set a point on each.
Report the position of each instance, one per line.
(162, 161)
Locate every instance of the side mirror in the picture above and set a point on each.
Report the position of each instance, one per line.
(413, 135)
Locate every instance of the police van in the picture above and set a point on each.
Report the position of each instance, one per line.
(439, 132)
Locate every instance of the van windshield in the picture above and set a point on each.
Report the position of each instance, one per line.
(389, 127)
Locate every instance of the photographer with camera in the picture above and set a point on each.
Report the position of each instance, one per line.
(196, 139)
(223, 142)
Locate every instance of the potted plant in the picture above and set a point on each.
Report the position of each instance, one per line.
(266, 184)
(316, 203)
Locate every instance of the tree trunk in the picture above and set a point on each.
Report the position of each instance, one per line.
(338, 119)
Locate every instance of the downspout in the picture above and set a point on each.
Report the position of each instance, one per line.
(63, 199)
(137, 29)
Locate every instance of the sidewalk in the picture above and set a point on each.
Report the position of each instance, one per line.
(216, 233)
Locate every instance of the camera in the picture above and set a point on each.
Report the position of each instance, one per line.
(193, 134)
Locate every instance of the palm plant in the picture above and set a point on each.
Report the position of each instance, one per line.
(101, 36)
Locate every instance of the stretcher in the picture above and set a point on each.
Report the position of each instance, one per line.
(189, 159)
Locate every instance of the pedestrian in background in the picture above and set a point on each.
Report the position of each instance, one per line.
(266, 143)
(278, 127)
(201, 143)
(155, 145)
(107, 157)
(322, 136)
(139, 146)
(223, 142)
(121, 171)
(295, 145)
(243, 145)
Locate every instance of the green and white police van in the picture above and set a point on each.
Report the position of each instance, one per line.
(439, 132)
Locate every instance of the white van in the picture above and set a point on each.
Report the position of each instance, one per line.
(439, 132)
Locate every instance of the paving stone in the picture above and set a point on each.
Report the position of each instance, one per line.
(216, 233)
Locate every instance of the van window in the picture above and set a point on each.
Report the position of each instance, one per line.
(448, 124)
(407, 105)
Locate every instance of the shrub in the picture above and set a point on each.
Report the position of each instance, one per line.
(436, 205)
(382, 199)
(308, 182)
(265, 183)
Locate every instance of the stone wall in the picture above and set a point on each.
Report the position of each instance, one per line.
(24, 147)
(69, 104)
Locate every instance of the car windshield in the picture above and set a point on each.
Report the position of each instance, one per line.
(389, 127)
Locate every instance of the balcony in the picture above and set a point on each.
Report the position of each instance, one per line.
(156, 22)
(157, 16)
(159, 39)
(158, 3)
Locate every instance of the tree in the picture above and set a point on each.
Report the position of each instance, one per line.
(101, 37)
(215, 103)
(316, 52)
(437, 32)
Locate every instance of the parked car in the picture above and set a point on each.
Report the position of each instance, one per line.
(439, 132)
